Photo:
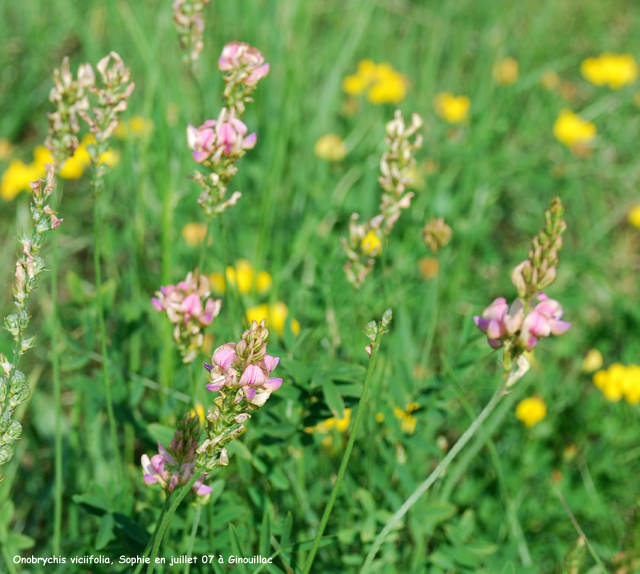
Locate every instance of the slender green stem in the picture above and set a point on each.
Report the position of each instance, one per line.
(168, 516)
(55, 369)
(437, 473)
(347, 452)
(155, 532)
(103, 333)
(192, 537)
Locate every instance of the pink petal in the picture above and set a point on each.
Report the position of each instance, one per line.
(253, 375)
(226, 134)
(495, 343)
(249, 392)
(192, 136)
(224, 357)
(250, 141)
(165, 454)
(200, 156)
(560, 327)
(191, 305)
(270, 362)
(272, 384)
(150, 479)
(215, 387)
(146, 464)
(494, 329)
(157, 304)
(239, 126)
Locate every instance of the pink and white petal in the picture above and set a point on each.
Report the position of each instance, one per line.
(150, 479)
(560, 327)
(157, 304)
(272, 384)
(270, 362)
(165, 454)
(250, 141)
(249, 392)
(253, 375)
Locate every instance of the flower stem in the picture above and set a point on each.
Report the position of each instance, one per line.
(192, 537)
(437, 473)
(155, 532)
(168, 516)
(55, 369)
(103, 332)
(347, 452)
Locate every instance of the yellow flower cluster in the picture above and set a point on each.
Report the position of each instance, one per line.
(276, 315)
(243, 275)
(194, 234)
(613, 70)
(453, 109)
(408, 420)
(619, 381)
(531, 411)
(331, 147)
(571, 129)
(137, 126)
(381, 83)
(325, 427)
(17, 176)
(371, 244)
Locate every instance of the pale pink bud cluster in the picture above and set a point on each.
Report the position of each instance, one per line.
(502, 322)
(214, 138)
(189, 20)
(189, 307)
(245, 60)
(164, 470)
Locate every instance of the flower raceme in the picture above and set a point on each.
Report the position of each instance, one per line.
(227, 135)
(248, 61)
(189, 307)
(499, 321)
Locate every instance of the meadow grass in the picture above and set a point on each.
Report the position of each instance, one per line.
(490, 179)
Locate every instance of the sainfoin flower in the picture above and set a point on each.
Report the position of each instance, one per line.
(238, 55)
(227, 135)
(189, 307)
(246, 366)
(175, 465)
(500, 321)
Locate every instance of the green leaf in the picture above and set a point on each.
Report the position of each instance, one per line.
(439, 559)
(265, 535)
(286, 530)
(236, 548)
(466, 524)
(332, 397)
(105, 534)
(160, 432)
(481, 547)
(91, 503)
(509, 568)
(437, 512)
(240, 449)
(19, 541)
(6, 512)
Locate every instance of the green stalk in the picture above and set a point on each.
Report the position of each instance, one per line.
(192, 537)
(347, 452)
(155, 532)
(55, 369)
(437, 473)
(103, 331)
(168, 516)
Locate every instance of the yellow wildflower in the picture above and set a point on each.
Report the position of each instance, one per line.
(276, 316)
(330, 147)
(592, 361)
(341, 425)
(454, 109)
(244, 276)
(531, 411)
(619, 381)
(371, 243)
(137, 125)
(614, 70)
(194, 233)
(571, 129)
(550, 80)
(198, 410)
(381, 82)
(5, 149)
(506, 71)
(16, 178)
(217, 282)
(110, 157)
(408, 420)
(379, 417)
(634, 216)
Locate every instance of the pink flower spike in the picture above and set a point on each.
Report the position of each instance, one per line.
(250, 141)
(253, 375)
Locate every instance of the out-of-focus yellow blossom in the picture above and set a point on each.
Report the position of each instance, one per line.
(408, 420)
(550, 80)
(619, 381)
(506, 71)
(381, 82)
(244, 276)
(416, 177)
(454, 109)
(137, 126)
(592, 361)
(379, 417)
(5, 149)
(571, 129)
(636, 99)
(371, 243)
(276, 316)
(330, 147)
(194, 233)
(325, 427)
(217, 282)
(111, 157)
(634, 216)
(429, 267)
(198, 410)
(531, 411)
(16, 178)
(613, 70)
(207, 344)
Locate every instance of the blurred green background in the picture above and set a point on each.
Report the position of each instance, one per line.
(490, 178)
